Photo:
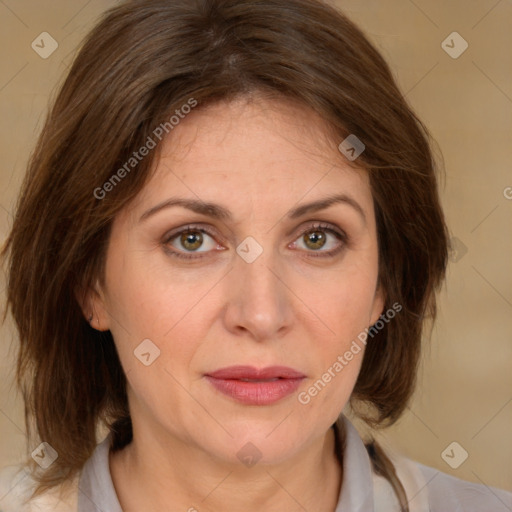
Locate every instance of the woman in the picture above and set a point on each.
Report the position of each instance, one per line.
(229, 230)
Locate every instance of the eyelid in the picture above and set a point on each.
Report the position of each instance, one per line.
(319, 224)
(189, 227)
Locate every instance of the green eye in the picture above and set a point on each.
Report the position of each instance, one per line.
(315, 239)
(191, 240)
(186, 242)
(189, 243)
(322, 239)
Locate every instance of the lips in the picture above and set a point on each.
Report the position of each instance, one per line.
(251, 373)
(252, 386)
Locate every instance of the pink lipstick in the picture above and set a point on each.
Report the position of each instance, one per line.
(252, 386)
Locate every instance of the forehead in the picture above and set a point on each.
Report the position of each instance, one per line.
(247, 149)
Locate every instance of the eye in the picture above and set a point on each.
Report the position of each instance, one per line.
(321, 238)
(190, 240)
(324, 239)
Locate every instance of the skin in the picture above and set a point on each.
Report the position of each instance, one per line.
(291, 306)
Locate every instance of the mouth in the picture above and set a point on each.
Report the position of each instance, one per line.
(260, 380)
(252, 386)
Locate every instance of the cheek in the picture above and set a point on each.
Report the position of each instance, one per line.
(344, 302)
(147, 297)
(148, 301)
(169, 314)
(344, 298)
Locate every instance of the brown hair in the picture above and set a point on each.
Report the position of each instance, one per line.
(144, 60)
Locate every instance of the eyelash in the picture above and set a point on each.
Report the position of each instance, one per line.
(328, 228)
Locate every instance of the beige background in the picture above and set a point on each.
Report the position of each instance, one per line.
(465, 387)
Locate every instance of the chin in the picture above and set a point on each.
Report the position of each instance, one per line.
(264, 442)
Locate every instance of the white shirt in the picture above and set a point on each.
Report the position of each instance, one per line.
(427, 489)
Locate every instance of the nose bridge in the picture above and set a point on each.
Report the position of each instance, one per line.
(259, 302)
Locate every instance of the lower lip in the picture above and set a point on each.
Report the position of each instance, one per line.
(256, 393)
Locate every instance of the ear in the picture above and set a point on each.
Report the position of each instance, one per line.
(379, 301)
(92, 303)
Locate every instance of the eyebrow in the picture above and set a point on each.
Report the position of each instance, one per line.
(217, 211)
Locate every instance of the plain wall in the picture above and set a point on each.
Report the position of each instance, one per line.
(464, 389)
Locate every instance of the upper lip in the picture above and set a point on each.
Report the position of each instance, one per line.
(250, 372)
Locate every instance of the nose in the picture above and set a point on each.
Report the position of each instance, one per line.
(259, 304)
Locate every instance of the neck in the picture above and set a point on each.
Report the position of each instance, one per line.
(150, 476)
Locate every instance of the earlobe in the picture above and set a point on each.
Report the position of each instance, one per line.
(92, 304)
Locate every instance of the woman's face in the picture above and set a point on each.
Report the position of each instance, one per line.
(245, 286)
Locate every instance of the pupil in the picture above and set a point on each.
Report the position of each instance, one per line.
(316, 239)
